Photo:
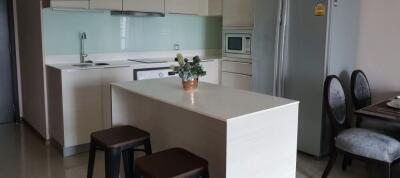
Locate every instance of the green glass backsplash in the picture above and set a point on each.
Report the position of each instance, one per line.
(109, 34)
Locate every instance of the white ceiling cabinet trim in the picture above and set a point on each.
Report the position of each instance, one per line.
(106, 4)
(144, 5)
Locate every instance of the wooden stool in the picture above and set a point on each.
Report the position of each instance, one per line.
(176, 163)
(115, 141)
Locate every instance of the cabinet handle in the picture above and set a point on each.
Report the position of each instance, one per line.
(335, 3)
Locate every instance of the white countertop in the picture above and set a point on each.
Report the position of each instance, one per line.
(121, 63)
(211, 100)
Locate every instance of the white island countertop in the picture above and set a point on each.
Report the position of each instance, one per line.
(215, 101)
(240, 133)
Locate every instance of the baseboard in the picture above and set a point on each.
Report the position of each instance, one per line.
(70, 151)
(34, 131)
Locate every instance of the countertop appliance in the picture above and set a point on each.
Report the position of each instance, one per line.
(295, 49)
(153, 73)
(237, 43)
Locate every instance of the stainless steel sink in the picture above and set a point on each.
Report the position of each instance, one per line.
(101, 64)
(83, 65)
(89, 64)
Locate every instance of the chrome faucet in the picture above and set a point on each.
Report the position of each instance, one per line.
(83, 55)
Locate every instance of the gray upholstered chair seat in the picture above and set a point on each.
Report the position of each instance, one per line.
(370, 144)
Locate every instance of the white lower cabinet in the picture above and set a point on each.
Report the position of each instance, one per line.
(81, 93)
(234, 80)
(212, 69)
(237, 67)
(236, 74)
(109, 76)
(74, 107)
(79, 104)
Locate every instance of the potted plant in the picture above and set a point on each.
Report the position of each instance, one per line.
(189, 71)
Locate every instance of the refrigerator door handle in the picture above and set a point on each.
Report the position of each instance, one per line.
(335, 3)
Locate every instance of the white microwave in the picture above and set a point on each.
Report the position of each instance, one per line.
(237, 43)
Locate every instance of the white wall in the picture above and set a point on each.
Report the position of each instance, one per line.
(32, 65)
(379, 46)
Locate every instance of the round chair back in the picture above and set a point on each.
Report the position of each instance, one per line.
(335, 104)
(360, 91)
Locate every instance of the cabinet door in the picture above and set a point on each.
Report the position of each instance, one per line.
(82, 108)
(202, 7)
(106, 4)
(83, 4)
(238, 13)
(237, 67)
(238, 81)
(212, 69)
(214, 7)
(182, 6)
(112, 75)
(144, 5)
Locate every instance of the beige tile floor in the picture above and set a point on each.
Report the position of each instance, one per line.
(24, 155)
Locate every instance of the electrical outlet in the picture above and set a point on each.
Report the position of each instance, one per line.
(177, 47)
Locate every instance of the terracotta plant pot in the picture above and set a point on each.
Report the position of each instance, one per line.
(189, 85)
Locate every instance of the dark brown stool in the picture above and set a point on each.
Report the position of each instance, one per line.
(172, 163)
(114, 141)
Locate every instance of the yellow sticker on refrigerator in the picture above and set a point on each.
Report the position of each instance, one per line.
(320, 9)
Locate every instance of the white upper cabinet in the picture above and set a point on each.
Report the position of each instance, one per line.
(182, 6)
(202, 7)
(215, 7)
(191, 7)
(144, 5)
(194, 7)
(106, 4)
(238, 13)
(79, 4)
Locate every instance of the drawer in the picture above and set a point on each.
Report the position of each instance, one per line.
(234, 80)
(237, 67)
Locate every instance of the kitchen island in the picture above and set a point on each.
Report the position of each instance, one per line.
(242, 134)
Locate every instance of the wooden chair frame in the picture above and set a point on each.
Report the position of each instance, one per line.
(337, 127)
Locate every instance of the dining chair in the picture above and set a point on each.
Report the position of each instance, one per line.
(361, 97)
(354, 143)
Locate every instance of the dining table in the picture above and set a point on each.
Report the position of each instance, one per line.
(380, 111)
